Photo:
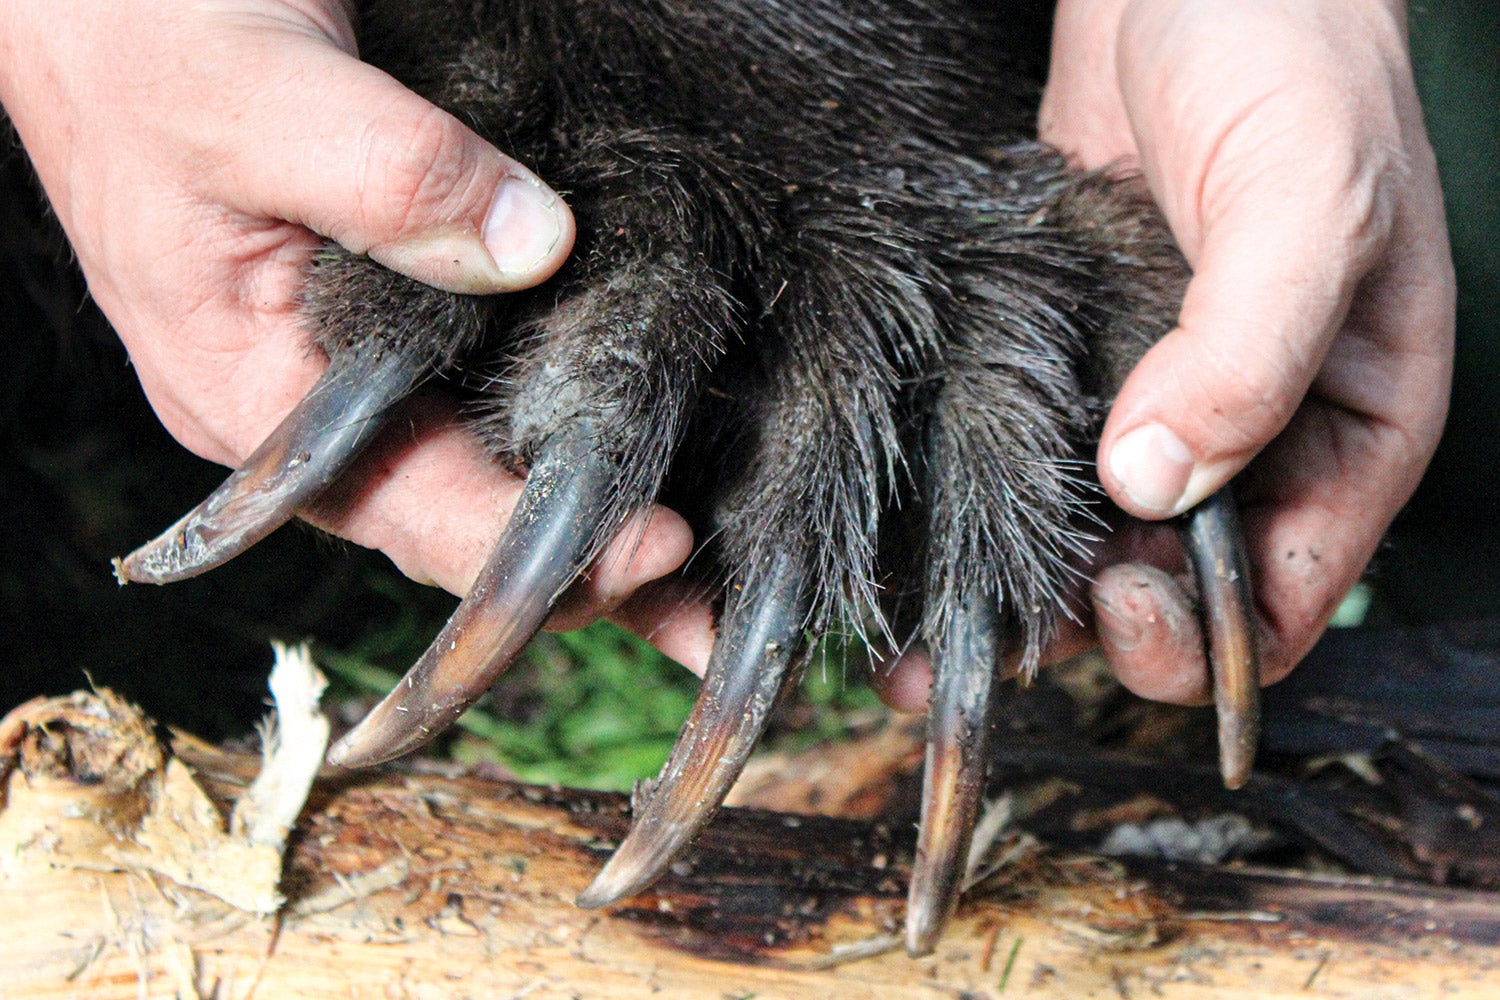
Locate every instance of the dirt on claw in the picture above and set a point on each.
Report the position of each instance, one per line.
(829, 300)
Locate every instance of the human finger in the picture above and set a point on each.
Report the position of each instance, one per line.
(1150, 634)
(361, 159)
(1281, 162)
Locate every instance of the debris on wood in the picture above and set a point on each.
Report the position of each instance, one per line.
(160, 820)
(115, 845)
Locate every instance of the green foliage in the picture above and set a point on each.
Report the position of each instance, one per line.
(833, 696)
(599, 708)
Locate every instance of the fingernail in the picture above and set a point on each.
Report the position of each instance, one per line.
(1115, 630)
(1153, 466)
(524, 224)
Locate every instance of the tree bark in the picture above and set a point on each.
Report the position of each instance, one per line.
(420, 885)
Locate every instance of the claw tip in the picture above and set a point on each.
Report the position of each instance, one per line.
(637, 863)
(355, 751)
(593, 897)
(1235, 768)
(371, 743)
(338, 755)
(613, 883)
(922, 932)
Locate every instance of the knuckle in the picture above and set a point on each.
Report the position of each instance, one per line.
(1361, 184)
(1246, 402)
(417, 166)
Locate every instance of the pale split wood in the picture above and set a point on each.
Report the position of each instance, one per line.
(403, 885)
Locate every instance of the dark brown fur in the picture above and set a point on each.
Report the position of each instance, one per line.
(829, 300)
(817, 246)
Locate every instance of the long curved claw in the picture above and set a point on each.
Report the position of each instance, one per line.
(756, 657)
(959, 725)
(1216, 548)
(307, 451)
(544, 548)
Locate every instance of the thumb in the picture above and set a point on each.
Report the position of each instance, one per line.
(1266, 141)
(355, 156)
(1274, 279)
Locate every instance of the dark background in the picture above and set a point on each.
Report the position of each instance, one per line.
(86, 473)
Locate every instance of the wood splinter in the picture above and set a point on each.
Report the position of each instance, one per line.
(465, 886)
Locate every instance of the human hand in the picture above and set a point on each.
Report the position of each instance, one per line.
(1285, 145)
(196, 154)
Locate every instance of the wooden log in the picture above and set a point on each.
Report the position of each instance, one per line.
(450, 886)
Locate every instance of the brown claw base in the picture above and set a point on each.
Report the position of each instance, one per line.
(831, 300)
(461, 885)
(1216, 549)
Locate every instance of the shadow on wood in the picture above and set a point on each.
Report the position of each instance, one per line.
(425, 885)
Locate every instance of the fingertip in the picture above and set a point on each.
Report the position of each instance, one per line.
(523, 236)
(649, 546)
(1275, 663)
(1273, 278)
(673, 615)
(529, 230)
(1152, 468)
(1152, 474)
(384, 172)
(1149, 634)
(904, 681)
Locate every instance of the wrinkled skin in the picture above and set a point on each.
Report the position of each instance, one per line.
(1285, 145)
(192, 203)
(539, 253)
(122, 147)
